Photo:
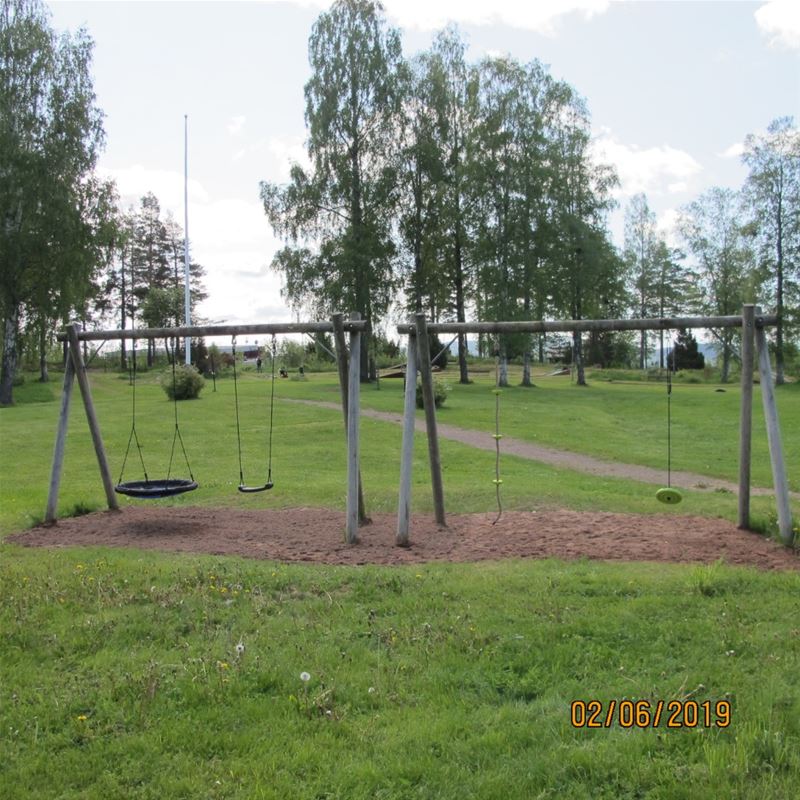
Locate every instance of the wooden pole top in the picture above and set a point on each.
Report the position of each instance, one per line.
(570, 325)
(215, 330)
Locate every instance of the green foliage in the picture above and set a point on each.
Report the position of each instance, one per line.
(57, 214)
(440, 392)
(346, 200)
(185, 385)
(291, 355)
(438, 355)
(684, 354)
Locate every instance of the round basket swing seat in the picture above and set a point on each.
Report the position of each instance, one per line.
(669, 496)
(153, 489)
(253, 489)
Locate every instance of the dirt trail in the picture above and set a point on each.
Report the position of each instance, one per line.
(558, 458)
(315, 535)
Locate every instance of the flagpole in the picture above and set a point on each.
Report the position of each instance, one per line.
(187, 342)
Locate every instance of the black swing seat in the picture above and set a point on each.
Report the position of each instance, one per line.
(153, 489)
(253, 489)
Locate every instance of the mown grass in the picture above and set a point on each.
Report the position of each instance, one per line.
(624, 422)
(121, 679)
(309, 449)
(119, 671)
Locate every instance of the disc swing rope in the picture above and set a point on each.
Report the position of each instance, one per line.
(243, 487)
(668, 495)
(151, 489)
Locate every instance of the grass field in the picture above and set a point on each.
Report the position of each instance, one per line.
(120, 675)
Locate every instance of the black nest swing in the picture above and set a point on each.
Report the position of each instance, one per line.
(154, 488)
(263, 487)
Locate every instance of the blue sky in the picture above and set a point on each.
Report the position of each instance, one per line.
(673, 88)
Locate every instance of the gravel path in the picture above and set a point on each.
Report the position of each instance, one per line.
(558, 458)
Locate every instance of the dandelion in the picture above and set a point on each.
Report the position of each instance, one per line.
(305, 677)
(82, 718)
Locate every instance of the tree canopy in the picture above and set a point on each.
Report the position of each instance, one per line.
(56, 214)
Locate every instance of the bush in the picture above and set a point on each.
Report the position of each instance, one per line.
(440, 391)
(187, 384)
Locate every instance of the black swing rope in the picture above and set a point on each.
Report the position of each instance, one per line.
(133, 435)
(152, 489)
(243, 487)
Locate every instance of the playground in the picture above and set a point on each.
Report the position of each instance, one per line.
(238, 646)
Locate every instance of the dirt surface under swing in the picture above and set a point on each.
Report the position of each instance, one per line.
(316, 535)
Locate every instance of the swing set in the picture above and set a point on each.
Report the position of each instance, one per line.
(155, 488)
(752, 324)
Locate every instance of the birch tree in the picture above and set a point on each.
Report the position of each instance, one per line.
(714, 234)
(773, 194)
(337, 217)
(53, 210)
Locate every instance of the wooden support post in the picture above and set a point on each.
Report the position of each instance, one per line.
(91, 416)
(51, 514)
(424, 354)
(407, 454)
(774, 438)
(342, 361)
(353, 411)
(746, 414)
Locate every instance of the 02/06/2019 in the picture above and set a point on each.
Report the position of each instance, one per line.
(650, 714)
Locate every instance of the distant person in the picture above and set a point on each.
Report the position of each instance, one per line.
(258, 364)
(283, 373)
(302, 370)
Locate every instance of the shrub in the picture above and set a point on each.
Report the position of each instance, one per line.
(187, 384)
(439, 357)
(440, 391)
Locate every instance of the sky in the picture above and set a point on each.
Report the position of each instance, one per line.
(673, 88)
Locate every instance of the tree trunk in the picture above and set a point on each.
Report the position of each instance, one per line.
(726, 361)
(577, 358)
(779, 367)
(9, 366)
(460, 312)
(43, 376)
(502, 379)
(526, 369)
(123, 363)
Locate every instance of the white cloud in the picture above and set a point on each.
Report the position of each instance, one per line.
(734, 151)
(653, 170)
(230, 237)
(288, 150)
(779, 20)
(236, 124)
(167, 185)
(541, 16)
(667, 223)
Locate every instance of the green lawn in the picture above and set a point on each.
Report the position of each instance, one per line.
(119, 671)
(309, 448)
(121, 679)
